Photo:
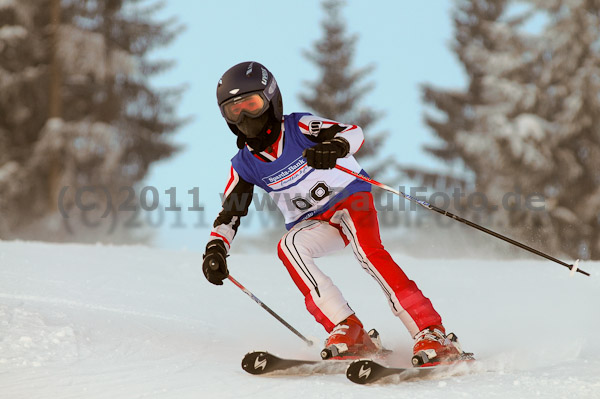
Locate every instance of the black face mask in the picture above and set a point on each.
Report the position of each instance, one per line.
(253, 127)
(255, 130)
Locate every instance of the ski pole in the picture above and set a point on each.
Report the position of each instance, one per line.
(268, 309)
(574, 267)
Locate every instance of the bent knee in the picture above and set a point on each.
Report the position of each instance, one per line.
(296, 243)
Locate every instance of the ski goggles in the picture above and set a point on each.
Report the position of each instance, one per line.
(252, 105)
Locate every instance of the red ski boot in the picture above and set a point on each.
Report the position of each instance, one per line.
(349, 339)
(433, 347)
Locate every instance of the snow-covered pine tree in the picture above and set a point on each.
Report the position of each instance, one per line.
(113, 124)
(528, 122)
(472, 22)
(338, 91)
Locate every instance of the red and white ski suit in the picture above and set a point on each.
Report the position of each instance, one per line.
(353, 221)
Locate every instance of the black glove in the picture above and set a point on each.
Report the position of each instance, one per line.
(214, 265)
(324, 155)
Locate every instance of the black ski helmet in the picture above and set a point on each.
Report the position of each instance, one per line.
(248, 77)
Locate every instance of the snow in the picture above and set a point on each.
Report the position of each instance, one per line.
(84, 52)
(92, 321)
(7, 172)
(12, 33)
(6, 3)
(81, 142)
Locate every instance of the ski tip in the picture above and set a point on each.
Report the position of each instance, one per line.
(253, 354)
(363, 371)
(257, 362)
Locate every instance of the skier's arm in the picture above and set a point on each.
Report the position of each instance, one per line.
(236, 201)
(333, 140)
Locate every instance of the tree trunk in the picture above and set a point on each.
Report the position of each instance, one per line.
(54, 100)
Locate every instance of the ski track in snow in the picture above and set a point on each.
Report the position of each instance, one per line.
(91, 321)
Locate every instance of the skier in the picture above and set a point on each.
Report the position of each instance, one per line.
(292, 157)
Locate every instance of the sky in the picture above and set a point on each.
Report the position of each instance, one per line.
(407, 42)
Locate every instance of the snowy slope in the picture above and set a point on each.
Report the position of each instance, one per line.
(132, 322)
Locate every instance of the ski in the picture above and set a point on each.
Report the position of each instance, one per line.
(260, 363)
(369, 371)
